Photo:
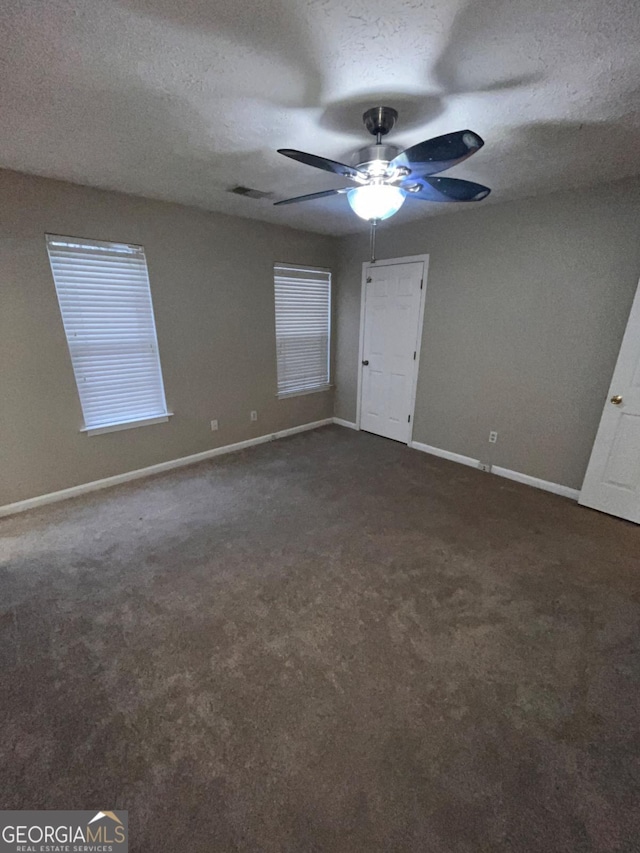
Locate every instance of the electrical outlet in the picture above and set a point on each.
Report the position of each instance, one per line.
(214, 425)
(493, 437)
(254, 416)
(485, 466)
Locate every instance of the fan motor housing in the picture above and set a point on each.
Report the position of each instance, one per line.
(380, 120)
(371, 153)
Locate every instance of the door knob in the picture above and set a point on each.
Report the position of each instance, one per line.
(366, 363)
(617, 399)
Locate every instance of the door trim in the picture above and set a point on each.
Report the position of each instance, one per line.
(386, 262)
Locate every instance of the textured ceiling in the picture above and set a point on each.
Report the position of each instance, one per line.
(181, 99)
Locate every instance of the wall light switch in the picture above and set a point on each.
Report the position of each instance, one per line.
(254, 416)
(214, 425)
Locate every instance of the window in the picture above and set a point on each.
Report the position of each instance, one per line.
(303, 324)
(105, 302)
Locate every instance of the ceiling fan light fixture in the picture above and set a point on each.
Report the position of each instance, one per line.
(375, 201)
(386, 176)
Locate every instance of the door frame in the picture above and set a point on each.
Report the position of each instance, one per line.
(386, 262)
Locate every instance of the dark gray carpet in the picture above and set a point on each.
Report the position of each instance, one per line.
(329, 643)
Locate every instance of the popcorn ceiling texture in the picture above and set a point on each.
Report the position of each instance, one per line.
(182, 100)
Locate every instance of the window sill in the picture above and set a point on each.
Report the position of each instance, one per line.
(320, 388)
(99, 430)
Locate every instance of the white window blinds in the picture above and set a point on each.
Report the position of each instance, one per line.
(105, 300)
(303, 326)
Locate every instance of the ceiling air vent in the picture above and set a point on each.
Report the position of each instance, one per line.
(249, 192)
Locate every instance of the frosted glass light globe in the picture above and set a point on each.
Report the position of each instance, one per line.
(375, 201)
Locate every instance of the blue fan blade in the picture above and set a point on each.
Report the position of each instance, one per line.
(310, 197)
(444, 189)
(322, 163)
(442, 152)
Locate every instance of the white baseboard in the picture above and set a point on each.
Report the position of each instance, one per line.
(444, 454)
(348, 424)
(546, 485)
(117, 479)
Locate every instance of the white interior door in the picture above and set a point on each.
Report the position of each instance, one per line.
(612, 482)
(390, 342)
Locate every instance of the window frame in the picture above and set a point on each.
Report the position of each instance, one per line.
(326, 386)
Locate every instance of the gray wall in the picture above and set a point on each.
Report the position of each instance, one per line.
(212, 287)
(525, 308)
(526, 305)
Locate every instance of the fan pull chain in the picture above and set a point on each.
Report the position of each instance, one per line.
(374, 223)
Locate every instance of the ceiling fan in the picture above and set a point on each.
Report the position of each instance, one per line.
(384, 176)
